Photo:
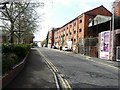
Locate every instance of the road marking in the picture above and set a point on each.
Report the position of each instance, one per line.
(54, 70)
(68, 84)
(64, 84)
(56, 80)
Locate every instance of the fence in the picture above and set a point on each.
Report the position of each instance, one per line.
(88, 46)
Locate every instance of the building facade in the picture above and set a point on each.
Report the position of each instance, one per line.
(70, 33)
(51, 37)
(116, 5)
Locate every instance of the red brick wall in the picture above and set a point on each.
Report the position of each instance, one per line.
(79, 30)
(117, 8)
(91, 14)
(51, 38)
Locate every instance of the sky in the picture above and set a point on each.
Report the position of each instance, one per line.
(56, 13)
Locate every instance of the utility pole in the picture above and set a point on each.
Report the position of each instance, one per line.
(113, 27)
(113, 17)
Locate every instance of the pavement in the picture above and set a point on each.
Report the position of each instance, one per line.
(35, 74)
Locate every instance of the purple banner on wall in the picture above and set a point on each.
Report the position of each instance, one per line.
(104, 45)
(106, 41)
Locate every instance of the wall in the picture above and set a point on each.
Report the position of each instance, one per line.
(117, 8)
(77, 28)
(116, 32)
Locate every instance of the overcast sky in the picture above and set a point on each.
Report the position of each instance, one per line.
(56, 13)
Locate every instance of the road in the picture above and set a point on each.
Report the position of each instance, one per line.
(82, 73)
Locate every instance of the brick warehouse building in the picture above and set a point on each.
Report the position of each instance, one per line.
(51, 37)
(75, 29)
(116, 5)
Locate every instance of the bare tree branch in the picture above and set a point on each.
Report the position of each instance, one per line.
(21, 12)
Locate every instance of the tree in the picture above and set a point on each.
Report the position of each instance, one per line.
(27, 22)
(19, 16)
(11, 13)
(44, 42)
(47, 39)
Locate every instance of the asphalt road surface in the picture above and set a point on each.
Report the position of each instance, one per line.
(82, 73)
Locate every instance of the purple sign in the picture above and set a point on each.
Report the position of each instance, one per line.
(104, 45)
(106, 41)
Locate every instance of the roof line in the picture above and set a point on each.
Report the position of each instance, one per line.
(85, 13)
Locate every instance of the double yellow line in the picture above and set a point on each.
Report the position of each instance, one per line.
(64, 84)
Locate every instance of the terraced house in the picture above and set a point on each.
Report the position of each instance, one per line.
(70, 34)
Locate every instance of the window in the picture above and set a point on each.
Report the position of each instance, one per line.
(70, 26)
(80, 20)
(74, 32)
(74, 23)
(74, 40)
(80, 30)
(71, 39)
(66, 34)
(70, 33)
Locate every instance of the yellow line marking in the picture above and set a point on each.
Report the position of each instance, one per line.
(54, 70)
(56, 80)
(68, 84)
(62, 81)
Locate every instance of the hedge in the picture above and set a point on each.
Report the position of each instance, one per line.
(12, 55)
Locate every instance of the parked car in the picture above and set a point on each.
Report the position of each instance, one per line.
(54, 47)
(66, 49)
